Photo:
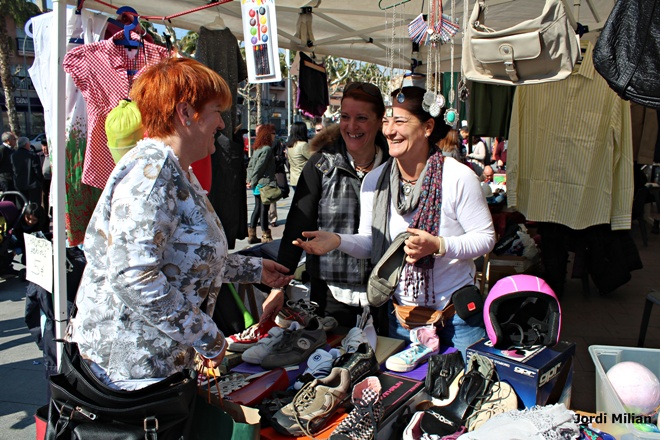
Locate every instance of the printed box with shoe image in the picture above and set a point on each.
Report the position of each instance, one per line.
(540, 376)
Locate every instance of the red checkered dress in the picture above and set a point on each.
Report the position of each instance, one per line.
(101, 72)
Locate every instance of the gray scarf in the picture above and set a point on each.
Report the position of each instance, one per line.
(388, 185)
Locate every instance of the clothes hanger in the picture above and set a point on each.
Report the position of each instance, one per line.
(217, 24)
(126, 41)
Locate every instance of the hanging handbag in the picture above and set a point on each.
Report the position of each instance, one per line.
(626, 53)
(385, 276)
(270, 194)
(82, 407)
(535, 51)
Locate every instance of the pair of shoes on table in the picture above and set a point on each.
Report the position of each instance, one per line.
(296, 346)
(256, 353)
(443, 376)
(240, 342)
(425, 342)
(302, 311)
(476, 387)
(314, 404)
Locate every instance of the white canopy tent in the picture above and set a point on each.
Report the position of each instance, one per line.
(359, 30)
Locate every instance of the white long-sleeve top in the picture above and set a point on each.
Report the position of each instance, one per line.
(465, 225)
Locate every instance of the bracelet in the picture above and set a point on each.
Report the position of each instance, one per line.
(441, 248)
(339, 237)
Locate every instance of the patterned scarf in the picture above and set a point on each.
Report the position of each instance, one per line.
(419, 276)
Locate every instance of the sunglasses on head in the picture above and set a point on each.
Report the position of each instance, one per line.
(367, 88)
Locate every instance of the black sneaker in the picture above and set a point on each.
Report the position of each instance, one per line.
(360, 363)
(296, 346)
(362, 422)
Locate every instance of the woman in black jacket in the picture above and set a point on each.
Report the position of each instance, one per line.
(327, 197)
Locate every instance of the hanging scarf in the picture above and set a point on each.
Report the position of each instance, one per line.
(426, 197)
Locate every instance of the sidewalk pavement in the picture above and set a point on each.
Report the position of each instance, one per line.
(22, 382)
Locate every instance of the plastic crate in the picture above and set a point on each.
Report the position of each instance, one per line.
(607, 401)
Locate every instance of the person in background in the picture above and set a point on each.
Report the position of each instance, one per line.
(451, 146)
(327, 197)
(318, 126)
(156, 251)
(436, 199)
(7, 148)
(478, 154)
(279, 153)
(261, 172)
(46, 169)
(297, 151)
(26, 167)
(499, 155)
(487, 175)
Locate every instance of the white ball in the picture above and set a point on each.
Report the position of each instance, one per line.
(637, 387)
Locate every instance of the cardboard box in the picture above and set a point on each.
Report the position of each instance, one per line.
(542, 376)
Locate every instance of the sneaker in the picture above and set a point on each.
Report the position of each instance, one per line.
(413, 431)
(362, 422)
(296, 346)
(302, 311)
(240, 342)
(360, 363)
(353, 339)
(425, 342)
(501, 399)
(319, 365)
(256, 353)
(314, 404)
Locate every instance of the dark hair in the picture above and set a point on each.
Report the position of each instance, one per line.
(366, 92)
(264, 136)
(298, 133)
(413, 103)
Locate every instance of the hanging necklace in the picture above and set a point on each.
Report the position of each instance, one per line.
(451, 115)
(361, 169)
(463, 91)
(407, 185)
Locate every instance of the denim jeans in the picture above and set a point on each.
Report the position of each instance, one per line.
(456, 333)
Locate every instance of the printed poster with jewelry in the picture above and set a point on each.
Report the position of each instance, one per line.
(260, 36)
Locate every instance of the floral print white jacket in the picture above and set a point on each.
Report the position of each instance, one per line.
(156, 258)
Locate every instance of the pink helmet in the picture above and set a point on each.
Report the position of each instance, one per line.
(522, 311)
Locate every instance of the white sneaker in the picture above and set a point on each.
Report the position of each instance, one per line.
(319, 365)
(256, 353)
(353, 339)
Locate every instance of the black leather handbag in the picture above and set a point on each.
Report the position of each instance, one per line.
(627, 53)
(82, 407)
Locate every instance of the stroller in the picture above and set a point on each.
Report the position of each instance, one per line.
(10, 216)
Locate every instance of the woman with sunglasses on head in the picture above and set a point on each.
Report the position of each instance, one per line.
(436, 199)
(327, 197)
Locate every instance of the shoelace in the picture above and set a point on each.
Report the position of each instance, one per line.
(364, 413)
(248, 333)
(415, 349)
(307, 394)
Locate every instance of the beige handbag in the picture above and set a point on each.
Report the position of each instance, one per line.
(535, 51)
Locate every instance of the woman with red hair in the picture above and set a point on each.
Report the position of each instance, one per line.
(260, 173)
(156, 251)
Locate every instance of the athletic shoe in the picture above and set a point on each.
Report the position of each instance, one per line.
(362, 422)
(240, 342)
(353, 339)
(413, 431)
(319, 365)
(314, 404)
(301, 311)
(256, 353)
(360, 363)
(425, 342)
(296, 346)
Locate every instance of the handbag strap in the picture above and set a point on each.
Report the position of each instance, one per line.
(211, 374)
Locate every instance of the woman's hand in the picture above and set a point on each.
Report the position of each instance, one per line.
(420, 244)
(216, 361)
(273, 274)
(272, 305)
(318, 242)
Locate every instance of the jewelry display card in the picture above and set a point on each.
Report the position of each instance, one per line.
(261, 43)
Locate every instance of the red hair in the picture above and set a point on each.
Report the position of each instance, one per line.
(264, 137)
(175, 80)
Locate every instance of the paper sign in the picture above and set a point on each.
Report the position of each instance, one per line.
(39, 261)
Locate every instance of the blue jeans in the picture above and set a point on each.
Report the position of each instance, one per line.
(456, 333)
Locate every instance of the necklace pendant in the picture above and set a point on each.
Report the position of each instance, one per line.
(463, 91)
(400, 97)
(407, 189)
(429, 97)
(440, 100)
(451, 116)
(434, 110)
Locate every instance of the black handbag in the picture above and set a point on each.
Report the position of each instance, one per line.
(627, 53)
(82, 407)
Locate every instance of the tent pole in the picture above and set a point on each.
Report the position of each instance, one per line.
(59, 189)
(287, 55)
